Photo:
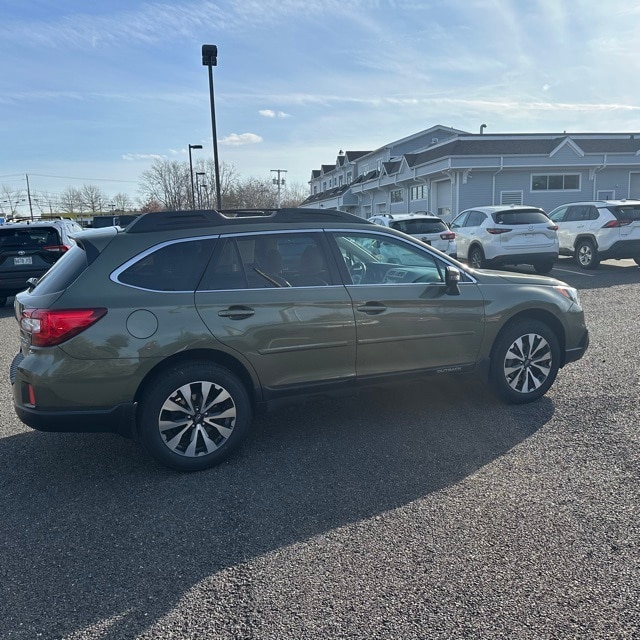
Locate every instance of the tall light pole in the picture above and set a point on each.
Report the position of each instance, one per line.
(193, 195)
(210, 60)
(199, 173)
(278, 181)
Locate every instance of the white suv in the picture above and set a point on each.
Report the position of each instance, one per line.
(598, 230)
(424, 226)
(499, 235)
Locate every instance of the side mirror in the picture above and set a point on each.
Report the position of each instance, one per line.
(32, 282)
(451, 279)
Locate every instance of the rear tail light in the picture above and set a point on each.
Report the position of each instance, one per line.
(48, 328)
(62, 248)
(449, 235)
(616, 223)
(496, 232)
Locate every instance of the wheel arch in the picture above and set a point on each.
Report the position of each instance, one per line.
(585, 236)
(214, 356)
(540, 315)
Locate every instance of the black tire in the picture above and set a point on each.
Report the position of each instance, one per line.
(476, 259)
(524, 361)
(544, 267)
(198, 440)
(587, 255)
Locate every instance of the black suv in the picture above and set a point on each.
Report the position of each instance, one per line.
(28, 249)
(179, 327)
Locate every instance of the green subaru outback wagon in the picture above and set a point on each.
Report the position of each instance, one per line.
(178, 328)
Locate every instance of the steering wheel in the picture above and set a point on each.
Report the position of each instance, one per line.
(358, 271)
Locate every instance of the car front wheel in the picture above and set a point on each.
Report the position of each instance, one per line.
(543, 267)
(193, 416)
(524, 362)
(587, 254)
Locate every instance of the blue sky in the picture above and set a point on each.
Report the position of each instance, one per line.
(91, 93)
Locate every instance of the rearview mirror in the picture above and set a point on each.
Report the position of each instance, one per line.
(452, 278)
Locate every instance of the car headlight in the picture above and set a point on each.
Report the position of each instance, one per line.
(570, 293)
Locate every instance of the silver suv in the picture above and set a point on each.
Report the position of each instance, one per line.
(599, 230)
(424, 226)
(499, 235)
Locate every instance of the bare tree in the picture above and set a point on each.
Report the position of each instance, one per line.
(150, 206)
(169, 183)
(228, 183)
(122, 202)
(255, 193)
(11, 199)
(294, 194)
(71, 201)
(92, 198)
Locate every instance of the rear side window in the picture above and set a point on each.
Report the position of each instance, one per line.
(176, 266)
(522, 216)
(64, 271)
(626, 212)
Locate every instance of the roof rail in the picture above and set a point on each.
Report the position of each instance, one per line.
(166, 220)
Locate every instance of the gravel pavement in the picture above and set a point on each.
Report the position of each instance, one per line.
(433, 511)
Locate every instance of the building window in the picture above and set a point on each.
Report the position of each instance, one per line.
(365, 168)
(396, 196)
(418, 193)
(324, 185)
(349, 177)
(315, 189)
(340, 179)
(555, 182)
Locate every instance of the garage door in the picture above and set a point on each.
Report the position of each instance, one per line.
(442, 199)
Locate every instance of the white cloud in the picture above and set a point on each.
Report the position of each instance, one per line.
(270, 113)
(239, 139)
(141, 156)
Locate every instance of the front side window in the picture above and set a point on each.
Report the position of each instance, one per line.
(559, 215)
(475, 219)
(174, 266)
(372, 258)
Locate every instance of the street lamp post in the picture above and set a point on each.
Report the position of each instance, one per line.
(193, 195)
(210, 60)
(198, 187)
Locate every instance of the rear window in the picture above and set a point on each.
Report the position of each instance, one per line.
(28, 236)
(520, 216)
(626, 212)
(413, 227)
(64, 271)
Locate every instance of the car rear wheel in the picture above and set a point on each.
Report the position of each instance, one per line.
(193, 416)
(544, 267)
(476, 258)
(524, 361)
(587, 254)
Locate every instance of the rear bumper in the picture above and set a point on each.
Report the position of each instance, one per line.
(524, 258)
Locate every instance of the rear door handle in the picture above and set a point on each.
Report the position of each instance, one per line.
(237, 312)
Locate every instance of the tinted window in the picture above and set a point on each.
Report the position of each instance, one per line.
(31, 236)
(413, 227)
(559, 215)
(267, 261)
(475, 219)
(626, 212)
(64, 271)
(177, 266)
(522, 216)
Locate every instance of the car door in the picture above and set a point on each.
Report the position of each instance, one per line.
(405, 320)
(462, 237)
(565, 237)
(296, 332)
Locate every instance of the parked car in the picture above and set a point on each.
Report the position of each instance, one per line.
(500, 235)
(425, 226)
(28, 249)
(599, 230)
(178, 328)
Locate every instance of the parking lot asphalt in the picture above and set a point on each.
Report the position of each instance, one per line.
(428, 511)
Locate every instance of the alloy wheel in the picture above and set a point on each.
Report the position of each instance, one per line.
(528, 363)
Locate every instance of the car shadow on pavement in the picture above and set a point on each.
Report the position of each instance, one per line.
(95, 533)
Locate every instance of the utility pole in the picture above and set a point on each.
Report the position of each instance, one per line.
(29, 195)
(279, 182)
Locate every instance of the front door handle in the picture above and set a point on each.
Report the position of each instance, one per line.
(236, 312)
(371, 308)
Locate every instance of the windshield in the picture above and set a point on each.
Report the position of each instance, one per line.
(521, 216)
(626, 212)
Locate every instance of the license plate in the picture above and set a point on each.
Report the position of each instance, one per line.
(28, 260)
